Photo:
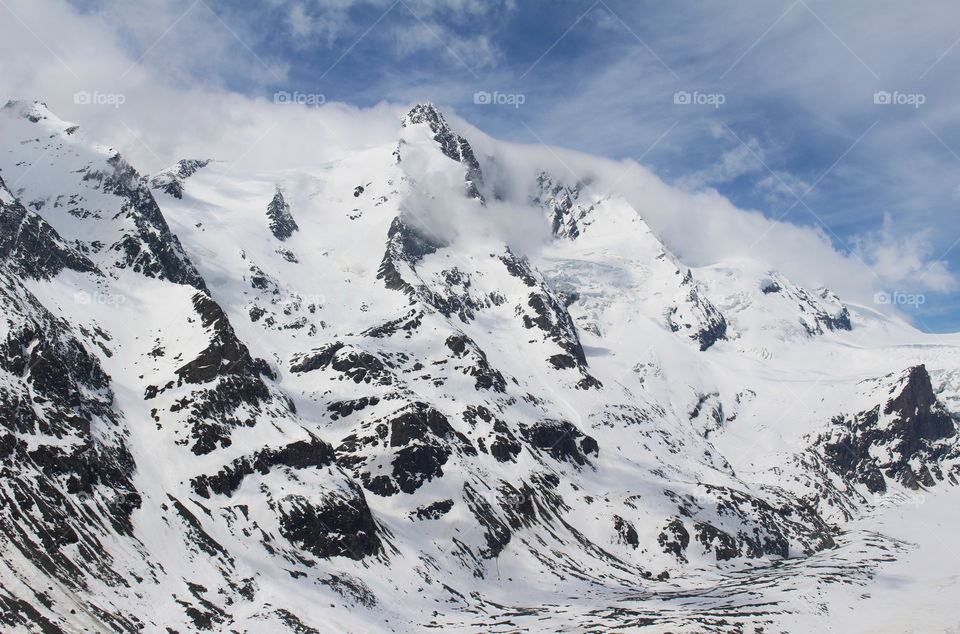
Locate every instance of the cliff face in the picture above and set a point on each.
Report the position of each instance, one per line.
(905, 439)
(373, 410)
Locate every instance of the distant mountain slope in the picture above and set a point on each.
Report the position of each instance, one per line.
(351, 399)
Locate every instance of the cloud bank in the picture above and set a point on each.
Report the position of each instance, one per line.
(197, 80)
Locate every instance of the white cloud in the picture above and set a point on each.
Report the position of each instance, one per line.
(905, 262)
(168, 115)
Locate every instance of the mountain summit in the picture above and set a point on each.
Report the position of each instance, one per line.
(347, 399)
(451, 144)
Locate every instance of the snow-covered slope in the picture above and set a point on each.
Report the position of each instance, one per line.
(396, 393)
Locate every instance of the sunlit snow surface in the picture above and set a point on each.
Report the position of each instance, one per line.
(701, 387)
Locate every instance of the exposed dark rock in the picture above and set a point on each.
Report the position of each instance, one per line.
(722, 544)
(151, 248)
(451, 144)
(626, 533)
(674, 539)
(235, 377)
(407, 244)
(31, 247)
(496, 533)
(562, 440)
(697, 316)
(340, 526)
(408, 324)
(902, 440)
(487, 378)
(351, 362)
(452, 296)
(53, 368)
(817, 312)
(171, 181)
(561, 203)
(303, 454)
(420, 440)
(282, 224)
(342, 409)
(434, 510)
(546, 312)
(505, 446)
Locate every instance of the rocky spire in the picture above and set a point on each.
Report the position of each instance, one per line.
(282, 224)
(451, 144)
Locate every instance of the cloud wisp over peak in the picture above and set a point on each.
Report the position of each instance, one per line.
(808, 112)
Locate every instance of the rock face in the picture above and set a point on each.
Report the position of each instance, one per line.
(337, 527)
(282, 224)
(562, 203)
(695, 315)
(65, 465)
(30, 246)
(817, 311)
(171, 181)
(451, 144)
(904, 440)
(403, 419)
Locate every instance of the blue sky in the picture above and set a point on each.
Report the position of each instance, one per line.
(799, 133)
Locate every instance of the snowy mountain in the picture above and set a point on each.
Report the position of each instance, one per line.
(428, 386)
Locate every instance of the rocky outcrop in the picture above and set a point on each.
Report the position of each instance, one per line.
(562, 205)
(407, 244)
(303, 454)
(561, 440)
(416, 440)
(903, 440)
(171, 181)
(65, 466)
(339, 525)
(225, 383)
(282, 224)
(451, 144)
(817, 311)
(30, 246)
(694, 315)
(545, 311)
(150, 247)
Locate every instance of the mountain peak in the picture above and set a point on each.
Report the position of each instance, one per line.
(425, 112)
(587, 412)
(282, 224)
(36, 112)
(451, 144)
(32, 110)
